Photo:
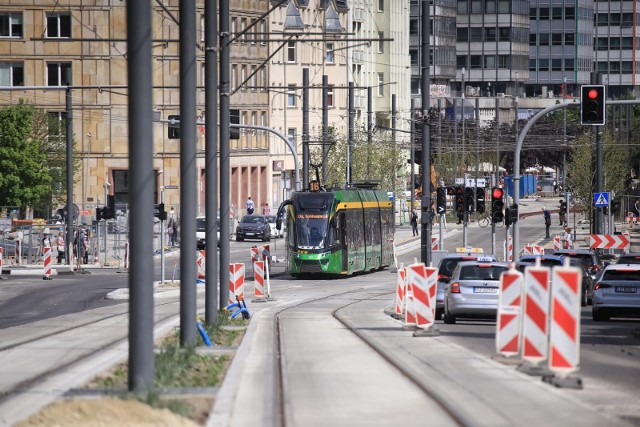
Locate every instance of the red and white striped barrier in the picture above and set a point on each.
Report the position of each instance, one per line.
(236, 281)
(254, 254)
(201, 258)
(509, 313)
(534, 250)
(18, 256)
(47, 263)
(417, 277)
(609, 241)
(400, 285)
(564, 334)
(258, 280)
(557, 243)
(435, 243)
(266, 254)
(409, 307)
(535, 327)
(508, 249)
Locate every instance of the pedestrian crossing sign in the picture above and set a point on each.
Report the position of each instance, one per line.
(601, 199)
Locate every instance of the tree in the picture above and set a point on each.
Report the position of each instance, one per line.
(32, 164)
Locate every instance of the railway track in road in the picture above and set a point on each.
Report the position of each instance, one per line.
(34, 359)
(325, 398)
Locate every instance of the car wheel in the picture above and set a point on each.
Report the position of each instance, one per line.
(239, 239)
(599, 316)
(583, 298)
(449, 318)
(438, 314)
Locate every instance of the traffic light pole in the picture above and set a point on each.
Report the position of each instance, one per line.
(425, 235)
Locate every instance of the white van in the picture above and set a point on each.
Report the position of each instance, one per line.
(201, 230)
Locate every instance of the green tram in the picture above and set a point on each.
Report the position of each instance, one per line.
(339, 232)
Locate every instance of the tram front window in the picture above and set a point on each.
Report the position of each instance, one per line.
(311, 233)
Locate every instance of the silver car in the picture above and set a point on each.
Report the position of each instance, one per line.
(445, 269)
(617, 292)
(473, 290)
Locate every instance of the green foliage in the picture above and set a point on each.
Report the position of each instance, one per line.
(24, 177)
(582, 168)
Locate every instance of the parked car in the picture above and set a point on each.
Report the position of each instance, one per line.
(617, 292)
(272, 223)
(590, 258)
(253, 227)
(473, 290)
(558, 261)
(201, 231)
(445, 269)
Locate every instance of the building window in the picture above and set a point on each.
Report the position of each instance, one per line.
(476, 6)
(627, 67)
(533, 13)
(263, 32)
(463, 7)
(490, 62)
(603, 67)
(627, 43)
(475, 34)
(569, 64)
(556, 64)
(291, 135)
(556, 39)
(252, 81)
(59, 74)
(461, 61)
(544, 13)
(243, 77)
(234, 29)
(532, 65)
(380, 42)
(533, 38)
(414, 27)
(57, 124)
(263, 118)
(504, 34)
(543, 65)
(263, 79)
(58, 25)
(490, 34)
(291, 96)
(11, 74)
(380, 5)
(462, 34)
(570, 13)
(330, 96)
(504, 61)
(414, 57)
(603, 20)
(614, 67)
(627, 20)
(475, 62)
(291, 52)
(556, 13)
(504, 6)
(614, 43)
(11, 25)
(254, 31)
(543, 39)
(602, 43)
(234, 77)
(380, 84)
(243, 28)
(569, 39)
(330, 54)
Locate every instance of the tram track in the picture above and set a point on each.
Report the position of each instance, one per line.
(285, 395)
(61, 335)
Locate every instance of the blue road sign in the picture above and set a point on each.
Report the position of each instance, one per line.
(601, 199)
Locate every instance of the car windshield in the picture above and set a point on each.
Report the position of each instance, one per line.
(633, 275)
(629, 260)
(201, 224)
(477, 272)
(252, 219)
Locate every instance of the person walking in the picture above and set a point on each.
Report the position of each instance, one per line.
(250, 206)
(414, 222)
(567, 238)
(60, 247)
(547, 221)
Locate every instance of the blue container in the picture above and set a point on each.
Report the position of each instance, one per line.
(528, 184)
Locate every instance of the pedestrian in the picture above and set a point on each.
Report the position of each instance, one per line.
(567, 238)
(636, 208)
(547, 221)
(60, 246)
(414, 222)
(562, 213)
(170, 231)
(84, 246)
(250, 206)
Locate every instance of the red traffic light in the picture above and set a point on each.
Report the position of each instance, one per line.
(497, 193)
(592, 94)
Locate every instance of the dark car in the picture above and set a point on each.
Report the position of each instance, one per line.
(253, 227)
(558, 261)
(617, 292)
(631, 258)
(445, 270)
(591, 260)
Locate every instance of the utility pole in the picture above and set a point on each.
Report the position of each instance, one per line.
(425, 236)
(352, 130)
(305, 129)
(225, 166)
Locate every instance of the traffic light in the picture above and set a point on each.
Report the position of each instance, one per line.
(451, 191)
(469, 198)
(99, 214)
(592, 105)
(174, 127)
(497, 204)
(480, 206)
(441, 200)
(459, 199)
(507, 217)
(513, 214)
(159, 212)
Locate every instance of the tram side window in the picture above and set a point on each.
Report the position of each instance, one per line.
(334, 231)
(291, 231)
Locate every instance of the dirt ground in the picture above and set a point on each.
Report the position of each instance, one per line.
(107, 412)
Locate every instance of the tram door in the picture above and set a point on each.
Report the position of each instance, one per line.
(342, 229)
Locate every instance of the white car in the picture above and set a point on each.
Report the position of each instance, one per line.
(272, 224)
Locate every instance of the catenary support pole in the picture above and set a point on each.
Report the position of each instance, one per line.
(352, 131)
(188, 273)
(211, 160)
(225, 166)
(425, 236)
(306, 156)
(142, 179)
(69, 141)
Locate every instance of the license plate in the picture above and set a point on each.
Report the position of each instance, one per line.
(250, 234)
(478, 290)
(626, 289)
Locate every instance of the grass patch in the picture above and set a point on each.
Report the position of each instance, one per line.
(178, 367)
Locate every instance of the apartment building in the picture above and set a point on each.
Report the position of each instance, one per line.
(83, 44)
